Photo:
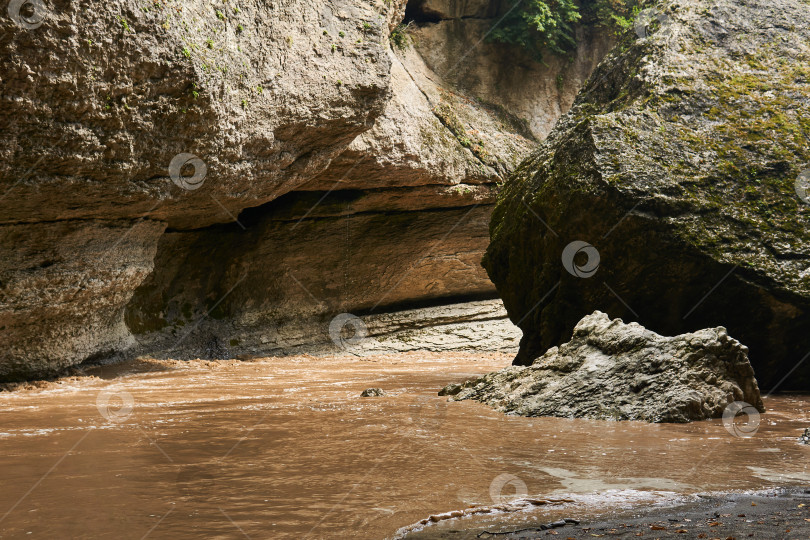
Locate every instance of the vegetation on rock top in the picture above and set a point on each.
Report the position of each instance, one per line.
(550, 25)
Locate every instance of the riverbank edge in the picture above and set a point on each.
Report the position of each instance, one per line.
(774, 513)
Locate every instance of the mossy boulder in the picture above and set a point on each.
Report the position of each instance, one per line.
(678, 164)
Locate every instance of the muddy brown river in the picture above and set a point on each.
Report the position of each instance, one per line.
(286, 448)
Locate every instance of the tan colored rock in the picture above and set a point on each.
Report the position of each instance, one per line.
(97, 103)
(64, 287)
(280, 272)
(261, 96)
(298, 111)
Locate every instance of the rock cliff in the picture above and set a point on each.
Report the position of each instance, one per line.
(672, 193)
(197, 172)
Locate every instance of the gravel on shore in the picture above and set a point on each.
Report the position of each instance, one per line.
(774, 514)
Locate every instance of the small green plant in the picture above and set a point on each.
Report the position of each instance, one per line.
(342, 33)
(244, 103)
(462, 189)
(220, 15)
(334, 47)
(236, 10)
(259, 89)
(240, 28)
(339, 82)
(124, 24)
(399, 36)
(186, 52)
(209, 43)
(366, 25)
(560, 82)
(325, 33)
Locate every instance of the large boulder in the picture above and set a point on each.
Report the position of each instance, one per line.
(668, 195)
(612, 370)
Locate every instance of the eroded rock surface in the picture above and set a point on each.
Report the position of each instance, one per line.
(341, 174)
(95, 105)
(399, 219)
(612, 370)
(63, 288)
(678, 164)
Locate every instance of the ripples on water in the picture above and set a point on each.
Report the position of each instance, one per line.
(285, 448)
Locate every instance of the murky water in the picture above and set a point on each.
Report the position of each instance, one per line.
(285, 448)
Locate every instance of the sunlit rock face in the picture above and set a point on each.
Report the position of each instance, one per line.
(611, 370)
(671, 194)
(398, 220)
(97, 103)
(148, 151)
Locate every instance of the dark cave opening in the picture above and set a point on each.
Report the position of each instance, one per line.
(416, 12)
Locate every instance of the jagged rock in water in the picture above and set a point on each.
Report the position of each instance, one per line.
(678, 164)
(805, 438)
(373, 392)
(612, 370)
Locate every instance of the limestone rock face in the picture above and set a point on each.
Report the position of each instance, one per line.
(214, 172)
(64, 288)
(279, 272)
(668, 195)
(612, 370)
(398, 220)
(96, 104)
